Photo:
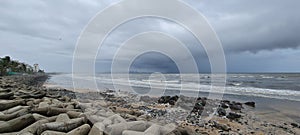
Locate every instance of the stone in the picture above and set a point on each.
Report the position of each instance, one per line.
(221, 111)
(97, 129)
(201, 101)
(294, 125)
(233, 116)
(117, 129)
(183, 131)
(167, 128)
(252, 104)
(82, 130)
(43, 104)
(153, 130)
(221, 126)
(235, 106)
(223, 105)
(130, 132)
(164, 99)
(62, 118)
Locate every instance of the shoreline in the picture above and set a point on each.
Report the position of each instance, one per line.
(111, 112)
(281, 109)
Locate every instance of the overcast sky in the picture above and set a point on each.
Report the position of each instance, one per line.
(257, 36)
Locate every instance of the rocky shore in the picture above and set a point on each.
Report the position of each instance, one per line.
(26, 107)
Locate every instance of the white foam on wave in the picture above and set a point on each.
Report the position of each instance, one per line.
(193, 86)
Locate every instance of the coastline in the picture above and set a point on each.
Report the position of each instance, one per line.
(113, 112)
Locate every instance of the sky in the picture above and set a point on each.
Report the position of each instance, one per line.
(257, 36)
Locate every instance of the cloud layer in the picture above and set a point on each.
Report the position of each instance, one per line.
(257, 36)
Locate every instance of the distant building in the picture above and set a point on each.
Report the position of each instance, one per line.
(36, 68)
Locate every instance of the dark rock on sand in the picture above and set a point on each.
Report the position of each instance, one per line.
(233, 116)
(164, 99)
(168, 99)
(221, 111)
(252, 104)
(295, 125)
(235, 106)
(202, 101)
(173, 100)
(223, 105)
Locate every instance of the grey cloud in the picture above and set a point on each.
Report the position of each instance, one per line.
(46, 32)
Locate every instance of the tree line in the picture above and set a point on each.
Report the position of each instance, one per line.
(7, 66)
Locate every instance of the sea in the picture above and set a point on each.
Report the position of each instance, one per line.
(285, 86)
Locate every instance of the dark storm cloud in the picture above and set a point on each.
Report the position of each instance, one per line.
(254, 25)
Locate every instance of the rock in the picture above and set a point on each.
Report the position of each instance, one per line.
(173, 100)
(183, 131)
(223, 105)
(48, 132)
(153, 130)
(82, 130)
(294, 125)
(97, 129)
(201, 101)
(233, 116)
(164, 99)
(167, 129)
(6, 104)
(235, 106)
(252, 104)
(6, 95)
(198, 107)
(62, 118)
(17, 123)
(117, 129)
(221, 126)
(43, 105)
(130, 132)
(73, 114)
(221, 111)
(62, 126)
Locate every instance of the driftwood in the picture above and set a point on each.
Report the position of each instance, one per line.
(6, 104)
(51, 111)
(62, 126)
(16, 124)
(7, 117)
